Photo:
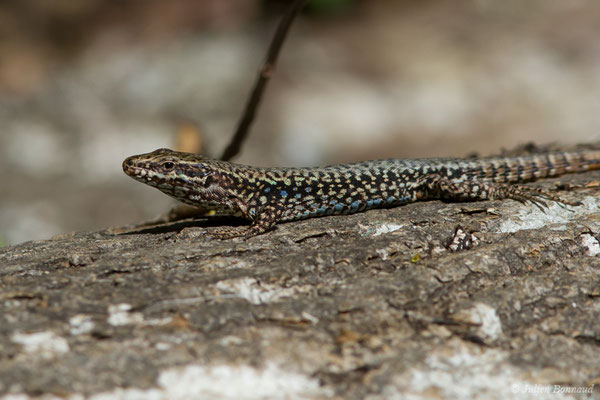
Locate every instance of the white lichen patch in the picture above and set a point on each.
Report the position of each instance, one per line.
(486, 320)
(237, 382)
(257, 292)
(81, 324)
(554, 217)
(119, 314)
(470, 372)
(43, 344)
(592, 245)
(383, 229)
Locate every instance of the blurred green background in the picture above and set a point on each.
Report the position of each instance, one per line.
(85, 83)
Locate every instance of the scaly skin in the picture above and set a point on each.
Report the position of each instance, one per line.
(267, 196)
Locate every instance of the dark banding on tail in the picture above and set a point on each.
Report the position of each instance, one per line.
(537, 166)
(560, 163)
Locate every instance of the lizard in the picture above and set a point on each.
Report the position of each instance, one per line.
(266, 196)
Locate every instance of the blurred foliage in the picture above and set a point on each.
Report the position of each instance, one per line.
(330, 6)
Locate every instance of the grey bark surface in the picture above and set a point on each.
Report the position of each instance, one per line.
(432, 299)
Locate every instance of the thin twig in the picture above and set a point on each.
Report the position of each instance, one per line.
(261, 81)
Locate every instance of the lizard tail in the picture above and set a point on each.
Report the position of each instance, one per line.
(569, 162)
(547, 165)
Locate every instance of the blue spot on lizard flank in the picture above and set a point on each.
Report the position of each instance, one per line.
(283, 193)
(390, 200)
(339, 207)
(308, 189)
(267, 190)
(298, 195)
(370, 203)
(354, 205)
(321, 210)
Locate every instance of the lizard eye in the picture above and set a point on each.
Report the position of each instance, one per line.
(168, 165)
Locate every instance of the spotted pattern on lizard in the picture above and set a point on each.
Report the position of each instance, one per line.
(266, 196)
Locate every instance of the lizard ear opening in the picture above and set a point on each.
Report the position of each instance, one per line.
(203, 172)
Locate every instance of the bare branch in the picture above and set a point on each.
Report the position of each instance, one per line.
(262, 79)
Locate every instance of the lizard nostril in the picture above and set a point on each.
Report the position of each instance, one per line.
(128, 163)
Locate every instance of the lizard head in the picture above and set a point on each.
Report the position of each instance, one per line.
(188, 177)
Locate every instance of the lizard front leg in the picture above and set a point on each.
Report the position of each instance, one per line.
(264, 222)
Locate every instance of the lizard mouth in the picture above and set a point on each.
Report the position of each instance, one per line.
(137, 172)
